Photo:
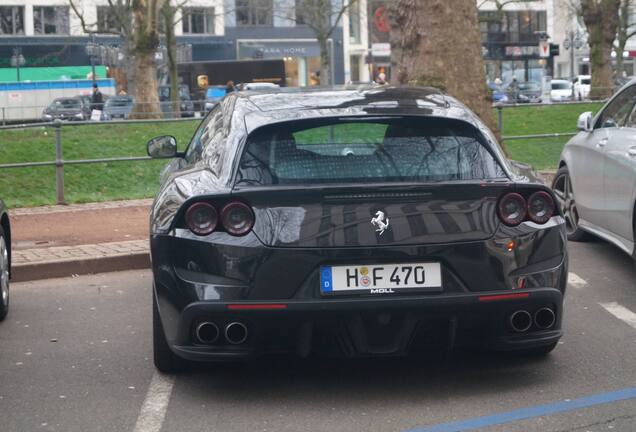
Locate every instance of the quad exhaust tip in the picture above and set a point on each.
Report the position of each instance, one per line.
(207, 332)
(544, 318)
(236, 333)
(521, 321)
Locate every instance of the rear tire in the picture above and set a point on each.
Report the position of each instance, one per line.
(165, 360)
(4, 275)
(562, 186)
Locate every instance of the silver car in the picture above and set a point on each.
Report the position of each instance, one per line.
(596, 181)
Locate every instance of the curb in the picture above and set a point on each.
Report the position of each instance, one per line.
(65, 268)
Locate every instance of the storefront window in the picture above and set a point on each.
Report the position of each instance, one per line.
(11, 20)
(355, 61)
(50, 20)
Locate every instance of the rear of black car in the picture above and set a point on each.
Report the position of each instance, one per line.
(362, 236)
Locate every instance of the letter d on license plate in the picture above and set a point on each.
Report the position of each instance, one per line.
(380, 279)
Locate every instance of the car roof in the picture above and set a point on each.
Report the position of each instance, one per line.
(287, 98)
(290, 104)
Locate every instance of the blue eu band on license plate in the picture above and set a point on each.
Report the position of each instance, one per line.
(381, 278)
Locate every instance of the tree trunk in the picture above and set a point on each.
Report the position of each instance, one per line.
(620, 64)
(325, 61)
(143, 48)
(601, 20)
(438, 43)
(146, 92)
(171, 44)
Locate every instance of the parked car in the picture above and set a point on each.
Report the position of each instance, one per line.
(213, 95)
(596, 182)
(186, 105)
(263, 86)
(117, 107)
(66, 109)
(498, 93)
(86, 100)
(5, 260)
(529, 92)
(582, 86)
(366, 222)
(561, 91)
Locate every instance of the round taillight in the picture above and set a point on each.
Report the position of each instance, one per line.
(512, 209)
(201, 218)
(540, 207)
(237, 218)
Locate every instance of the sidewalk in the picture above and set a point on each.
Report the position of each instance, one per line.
(60, 241)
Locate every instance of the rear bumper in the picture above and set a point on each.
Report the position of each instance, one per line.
(385, 326)
(222, 280)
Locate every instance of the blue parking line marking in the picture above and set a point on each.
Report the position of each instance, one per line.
(530, 412)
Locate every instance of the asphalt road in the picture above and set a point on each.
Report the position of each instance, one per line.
(75, 355)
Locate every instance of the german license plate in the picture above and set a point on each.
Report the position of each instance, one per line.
(380, 279)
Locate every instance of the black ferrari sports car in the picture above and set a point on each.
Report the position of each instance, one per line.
(370, 221)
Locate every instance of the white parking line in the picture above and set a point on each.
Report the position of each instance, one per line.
(620, 312)
(153, 410)
(576, 281)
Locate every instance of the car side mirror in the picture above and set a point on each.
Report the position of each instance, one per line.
(162, 147)
(585, 122)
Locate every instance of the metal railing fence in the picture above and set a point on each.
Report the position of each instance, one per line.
(500, 107)
(60, 162)
(34, 113)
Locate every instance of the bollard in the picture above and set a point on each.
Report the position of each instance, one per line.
(59, 163)
(500, 117)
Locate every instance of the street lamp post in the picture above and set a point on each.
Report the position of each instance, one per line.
(573, 41)
(92, 49)
(17, 60)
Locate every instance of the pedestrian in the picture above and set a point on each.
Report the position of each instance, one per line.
(514, 89)
(229, 87)
(97, 100)
(381, 79)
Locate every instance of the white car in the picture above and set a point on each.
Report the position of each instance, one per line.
(582, 86)
(561, 91)
(258, 86)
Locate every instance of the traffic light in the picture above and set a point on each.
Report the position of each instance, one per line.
(554, 49)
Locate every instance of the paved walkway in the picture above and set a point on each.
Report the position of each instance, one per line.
(59, 241)
(72, 253)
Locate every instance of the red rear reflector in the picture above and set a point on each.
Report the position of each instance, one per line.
(256, 306)
(496, 297)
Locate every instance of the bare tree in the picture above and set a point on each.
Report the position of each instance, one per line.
(601, 19)
(438, 43)
(323, 18)
(626, 31)
(137, 24)
(500, 5)
(169, 15)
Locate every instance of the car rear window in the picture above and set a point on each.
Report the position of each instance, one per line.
(358, 151)
(118, 102)
(561, 85)
(67, 103)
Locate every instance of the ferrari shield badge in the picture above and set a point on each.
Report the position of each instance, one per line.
(380, 222)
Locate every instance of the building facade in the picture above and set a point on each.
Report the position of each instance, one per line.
(49, 33)
(511, 37)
